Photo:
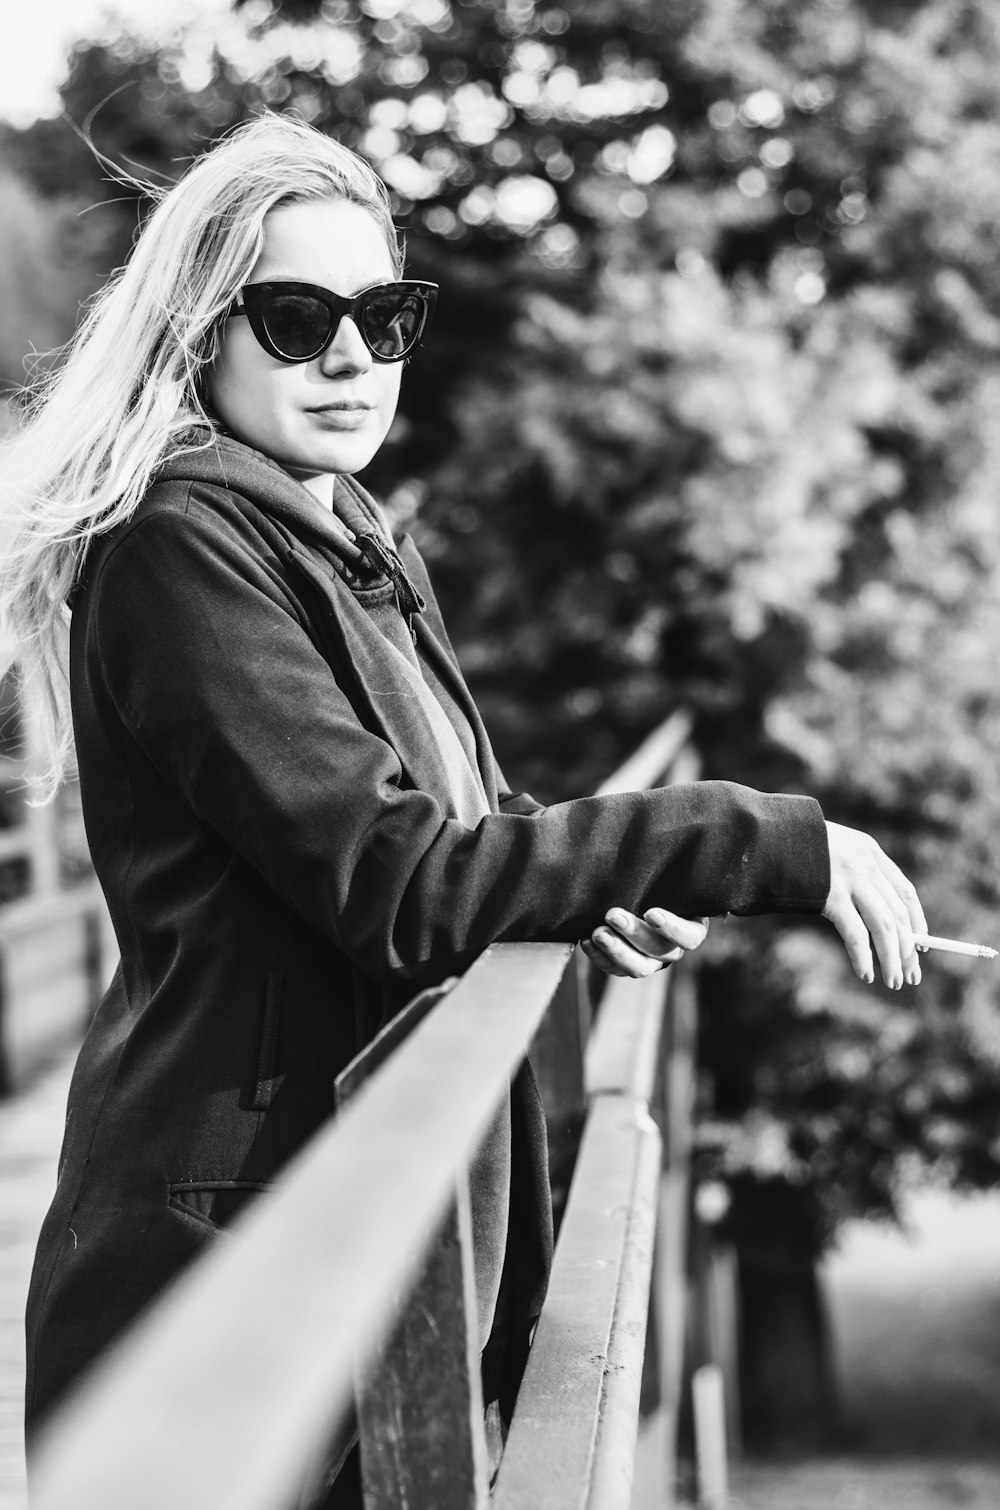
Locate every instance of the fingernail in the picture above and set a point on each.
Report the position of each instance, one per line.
(869, 977)
(618, 919)
(656, 916)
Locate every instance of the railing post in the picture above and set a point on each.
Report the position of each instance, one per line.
(589, 1339)
(420, 1406)
(420, 1413)
(669, 1287)
(557, 1055)
(41, 821)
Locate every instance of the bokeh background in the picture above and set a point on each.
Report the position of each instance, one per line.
(709, 419)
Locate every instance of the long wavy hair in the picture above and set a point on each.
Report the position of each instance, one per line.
(127, 392)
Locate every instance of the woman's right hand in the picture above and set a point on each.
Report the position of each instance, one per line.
(872, 902)
(634, 947)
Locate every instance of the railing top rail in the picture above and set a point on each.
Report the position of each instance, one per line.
(27, 912)
(250, 1350)
(647, 766)
(623, 1051)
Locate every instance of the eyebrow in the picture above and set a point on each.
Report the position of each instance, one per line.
(287, 278)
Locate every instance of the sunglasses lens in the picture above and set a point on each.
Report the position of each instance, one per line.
(296, 324)
(392, 322)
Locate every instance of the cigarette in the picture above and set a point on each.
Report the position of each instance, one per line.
(954, 946)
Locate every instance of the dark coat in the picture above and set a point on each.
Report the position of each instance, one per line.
(267, 815)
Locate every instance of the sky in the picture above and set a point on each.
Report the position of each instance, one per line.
(37, 37)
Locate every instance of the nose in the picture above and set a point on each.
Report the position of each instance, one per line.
(347, 352)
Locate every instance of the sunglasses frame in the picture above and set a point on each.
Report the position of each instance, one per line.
(255, 296)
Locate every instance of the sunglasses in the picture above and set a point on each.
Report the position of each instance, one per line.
(296, 322)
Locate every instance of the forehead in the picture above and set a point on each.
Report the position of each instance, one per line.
(333, 242)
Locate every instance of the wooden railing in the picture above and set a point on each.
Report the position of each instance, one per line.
(57, 949)
(351, 1281)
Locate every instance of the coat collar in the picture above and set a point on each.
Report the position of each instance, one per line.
(222, 461)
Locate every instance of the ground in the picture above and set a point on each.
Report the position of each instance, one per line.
(917, 1326)
(867, 1484)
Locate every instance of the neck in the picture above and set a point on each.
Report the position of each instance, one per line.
(321, 487)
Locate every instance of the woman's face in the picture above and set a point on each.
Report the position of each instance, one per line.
(331, 414)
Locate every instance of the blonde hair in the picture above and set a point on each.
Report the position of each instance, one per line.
(127, 393)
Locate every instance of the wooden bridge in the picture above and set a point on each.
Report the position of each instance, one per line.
(198, 1409)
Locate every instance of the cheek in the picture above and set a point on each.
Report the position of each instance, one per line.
(389, 394)
(216, 391)
(217, 375)
(236, 386)
(247, 403)
(221, 387)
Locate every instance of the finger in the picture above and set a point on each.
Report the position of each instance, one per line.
(690, 933)
(652, 940)
(910, 962)
(603, 961)
(880, 875)
(634, 961)
(844, 916)
(599, 959)
(638, 934)
(881, 923)
(621, 952)
(905, 889)
(866, 885)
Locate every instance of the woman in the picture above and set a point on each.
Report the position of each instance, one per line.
(290, 799)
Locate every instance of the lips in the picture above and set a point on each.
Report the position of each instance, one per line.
(342, 416)
(343, 407)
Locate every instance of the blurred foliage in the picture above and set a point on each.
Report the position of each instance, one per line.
(708, 417)
(46, 268)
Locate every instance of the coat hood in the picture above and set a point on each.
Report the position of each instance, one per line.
(222, 461)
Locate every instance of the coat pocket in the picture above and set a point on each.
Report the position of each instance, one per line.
(264, 1088)
(214, 1203)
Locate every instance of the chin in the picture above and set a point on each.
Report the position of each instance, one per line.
(348, 453)
(332, 463)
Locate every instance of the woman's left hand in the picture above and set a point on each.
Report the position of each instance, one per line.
(631, 946)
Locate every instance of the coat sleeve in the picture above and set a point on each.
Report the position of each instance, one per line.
(213, 672)
(514, 802)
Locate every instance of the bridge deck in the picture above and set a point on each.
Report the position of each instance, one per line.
(30, 1133)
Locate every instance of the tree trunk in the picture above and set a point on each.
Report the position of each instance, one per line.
(787, 1386)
